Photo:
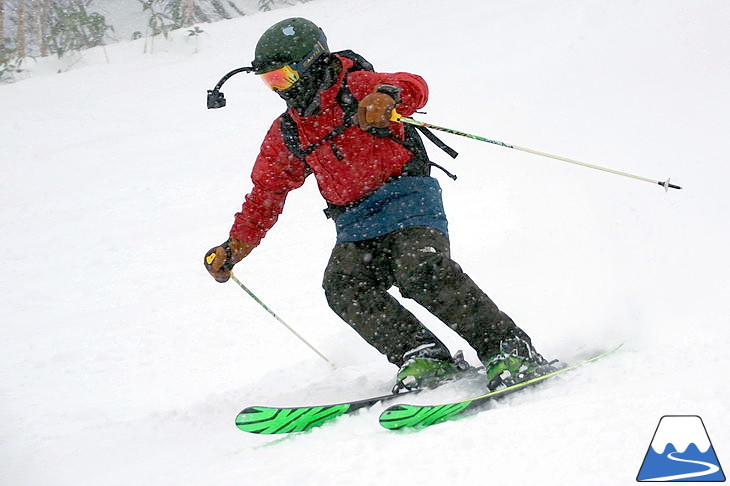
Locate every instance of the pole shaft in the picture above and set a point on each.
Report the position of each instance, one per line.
(281, 321)
(411, 121)
(585, 164)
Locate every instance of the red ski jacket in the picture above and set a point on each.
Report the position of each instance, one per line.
(347, 167)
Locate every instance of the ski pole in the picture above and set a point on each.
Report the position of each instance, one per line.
(410, 121)
(209, 260)
(281, 321)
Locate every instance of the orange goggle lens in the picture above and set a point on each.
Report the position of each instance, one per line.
(280, 79)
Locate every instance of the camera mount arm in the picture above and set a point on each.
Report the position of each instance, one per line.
(216, 99)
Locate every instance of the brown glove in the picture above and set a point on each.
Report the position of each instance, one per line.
(375, 110)
(220, 259)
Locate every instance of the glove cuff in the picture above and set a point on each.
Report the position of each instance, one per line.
(390, 90)
(236, 250)
(227, 246)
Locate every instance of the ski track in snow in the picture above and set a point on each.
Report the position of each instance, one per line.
(122, 362)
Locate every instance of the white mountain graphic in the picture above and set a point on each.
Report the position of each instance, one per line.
(680, 431)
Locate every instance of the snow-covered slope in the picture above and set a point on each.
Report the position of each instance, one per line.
(122, 362)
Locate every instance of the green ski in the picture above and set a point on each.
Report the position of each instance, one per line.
(413, 416)
(284, 420)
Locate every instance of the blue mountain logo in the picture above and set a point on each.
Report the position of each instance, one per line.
(681, 451)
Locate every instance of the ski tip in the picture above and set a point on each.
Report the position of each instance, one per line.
(274, 420)
(400, 416)
(404, 416)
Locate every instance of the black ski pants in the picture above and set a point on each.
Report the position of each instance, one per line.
(417, 261)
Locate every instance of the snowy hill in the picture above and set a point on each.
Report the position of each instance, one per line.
(122, 362)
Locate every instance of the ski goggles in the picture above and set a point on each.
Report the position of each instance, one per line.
(284, 78)
(281, 79)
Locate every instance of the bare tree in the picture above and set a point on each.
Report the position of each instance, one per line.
(45, 25)
(235, 8)
(220, 9)
(39, 14)
(2, 26)
(20, 46)
(189, 13)
(265, 5)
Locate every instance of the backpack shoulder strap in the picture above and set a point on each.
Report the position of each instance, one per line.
(361, 64)
(347, 102)
(290, 135)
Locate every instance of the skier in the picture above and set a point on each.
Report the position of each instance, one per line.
(388, 212)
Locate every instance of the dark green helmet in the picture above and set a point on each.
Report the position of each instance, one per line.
(294, 41)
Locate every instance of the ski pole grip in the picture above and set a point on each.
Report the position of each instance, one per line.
(211, 258)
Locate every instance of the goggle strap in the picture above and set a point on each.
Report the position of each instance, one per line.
(311, 56)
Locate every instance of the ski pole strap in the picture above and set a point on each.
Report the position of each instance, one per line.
(443, 169)
(437, 141)
(423, 128)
